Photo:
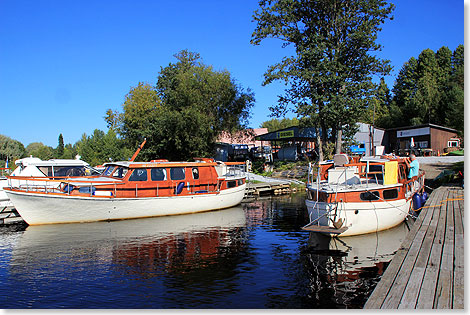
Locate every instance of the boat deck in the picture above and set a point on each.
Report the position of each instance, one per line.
(427, 272)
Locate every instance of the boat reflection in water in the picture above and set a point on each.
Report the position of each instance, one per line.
(115, 259)
(348, 268)
(251, 256)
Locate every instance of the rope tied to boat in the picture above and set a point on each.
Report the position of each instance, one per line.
(440, 203)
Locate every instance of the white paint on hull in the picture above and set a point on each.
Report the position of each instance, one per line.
(47, 208)
(360, 217)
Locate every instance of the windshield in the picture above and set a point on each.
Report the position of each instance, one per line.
(120, 172)
(115, 171)
(108, 171)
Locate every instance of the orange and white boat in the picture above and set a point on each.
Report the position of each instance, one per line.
(127, 190)
(353, 196)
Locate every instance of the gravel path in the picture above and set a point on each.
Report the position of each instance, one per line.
(439, 159)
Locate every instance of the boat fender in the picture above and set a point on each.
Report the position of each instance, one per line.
(179, 188)
(87, 190)
(424, 196)
(417, 204)
(68, 188)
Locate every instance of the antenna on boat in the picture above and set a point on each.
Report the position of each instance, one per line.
(138, 150)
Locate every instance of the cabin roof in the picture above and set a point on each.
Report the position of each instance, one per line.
(53, 162)
(129, 164)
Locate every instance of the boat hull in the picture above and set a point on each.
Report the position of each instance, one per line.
(42, 208)
(359, 217)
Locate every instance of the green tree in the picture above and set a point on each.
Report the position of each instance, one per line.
(277, 124)
(140, 114)
(102, 147)
(404, 90)
(39, 150)
(443, 78)
(454, 96)
(60, 147)
(70, 151)
(426, 98)
(10, 149)
(114, 119)
(330, 76)
(183, 115)
(378, 110)
(430, 90)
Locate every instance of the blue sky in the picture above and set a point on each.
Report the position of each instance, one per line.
(64, 63)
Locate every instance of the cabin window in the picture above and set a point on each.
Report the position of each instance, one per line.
(390, 194)
(108, 171)
(138, 175)
(120, 172)
(46, 170)
(195, 171)
(402, 172)
(370, 195)
(158, 174)
(231, 184)
(69, 171)
(177, 173)
(377, 172)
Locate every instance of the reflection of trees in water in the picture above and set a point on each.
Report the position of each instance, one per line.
(334, 282)
(207, 255)
(283, 213)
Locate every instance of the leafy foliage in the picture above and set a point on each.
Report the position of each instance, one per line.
(60, 147)
(39, 150)
(11, 149)
(430, 89)
(102, 147)
(330, 76)
(184, 113)
(278, 124)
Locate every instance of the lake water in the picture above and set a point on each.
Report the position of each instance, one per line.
(251, 256)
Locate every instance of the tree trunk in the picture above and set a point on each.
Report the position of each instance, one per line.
(319, 144)
(339, 141)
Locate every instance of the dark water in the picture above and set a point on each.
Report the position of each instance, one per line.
(251, 256)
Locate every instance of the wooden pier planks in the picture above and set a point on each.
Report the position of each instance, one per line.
(271, 188)
(428, 269)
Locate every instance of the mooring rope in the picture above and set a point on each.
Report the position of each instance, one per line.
(440, 204)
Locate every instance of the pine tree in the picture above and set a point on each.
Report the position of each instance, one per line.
(60, 147)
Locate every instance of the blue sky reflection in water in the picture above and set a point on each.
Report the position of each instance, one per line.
(251, 256)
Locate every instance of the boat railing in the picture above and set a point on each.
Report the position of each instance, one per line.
(67, 185)
(54, 185)
(235, 169)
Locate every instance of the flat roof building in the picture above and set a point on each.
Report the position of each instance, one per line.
(426, 139)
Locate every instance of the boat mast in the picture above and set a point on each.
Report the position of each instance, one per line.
(138, 150)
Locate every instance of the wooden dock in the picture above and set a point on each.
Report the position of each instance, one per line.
(273, 188)
(427, 272)
(8, 215)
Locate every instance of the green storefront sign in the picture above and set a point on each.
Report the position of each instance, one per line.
(285, 134)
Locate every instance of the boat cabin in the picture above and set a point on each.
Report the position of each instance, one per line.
(36, 167)
(158, 179)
